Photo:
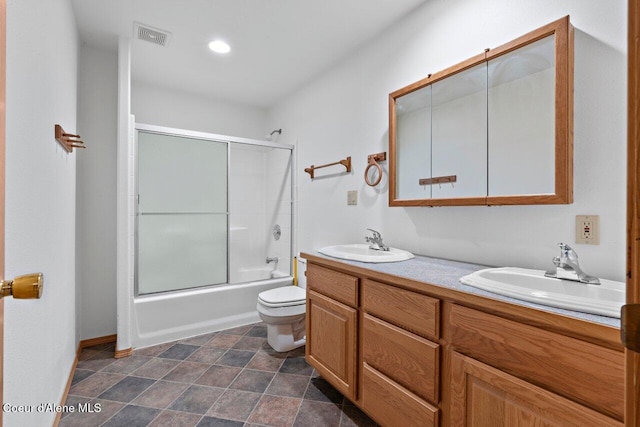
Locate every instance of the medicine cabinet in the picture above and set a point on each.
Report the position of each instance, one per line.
(496, 129)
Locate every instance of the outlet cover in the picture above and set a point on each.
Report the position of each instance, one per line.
(588, 229)
(352, 197)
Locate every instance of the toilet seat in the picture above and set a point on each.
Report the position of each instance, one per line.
(285, 296)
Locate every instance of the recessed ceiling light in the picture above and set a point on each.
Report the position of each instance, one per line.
(218, 46)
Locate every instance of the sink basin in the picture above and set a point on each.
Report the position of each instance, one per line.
(531, 285)
(361, 252)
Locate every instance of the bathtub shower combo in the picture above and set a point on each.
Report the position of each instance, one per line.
(213, 230)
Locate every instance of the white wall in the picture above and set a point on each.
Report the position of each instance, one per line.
(96, 193)
(345, 113)
(40, 336)
(160, 106)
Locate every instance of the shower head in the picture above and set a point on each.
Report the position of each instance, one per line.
(278, 131)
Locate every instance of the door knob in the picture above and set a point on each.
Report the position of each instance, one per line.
(28, 286)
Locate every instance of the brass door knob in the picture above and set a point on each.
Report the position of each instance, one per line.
(28, 286)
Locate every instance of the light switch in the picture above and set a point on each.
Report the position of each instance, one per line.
(352, 197)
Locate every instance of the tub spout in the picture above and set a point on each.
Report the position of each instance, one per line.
(272, 259)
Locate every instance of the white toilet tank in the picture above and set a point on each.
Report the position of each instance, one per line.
(302, 269)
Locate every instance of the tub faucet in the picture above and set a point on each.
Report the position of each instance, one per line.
(272, 259)
(376, 241)
(567, 267)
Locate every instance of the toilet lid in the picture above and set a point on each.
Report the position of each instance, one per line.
(284, 296)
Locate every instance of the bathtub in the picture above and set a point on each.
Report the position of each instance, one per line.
(243, 275)
(177, 315)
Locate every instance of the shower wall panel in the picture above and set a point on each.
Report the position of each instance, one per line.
(259, 198)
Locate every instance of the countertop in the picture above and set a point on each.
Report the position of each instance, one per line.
(446, 274)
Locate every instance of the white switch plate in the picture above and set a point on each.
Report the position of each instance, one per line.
(352, 197)
(588, 229)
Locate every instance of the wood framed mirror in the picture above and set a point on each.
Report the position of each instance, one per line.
(496, 129)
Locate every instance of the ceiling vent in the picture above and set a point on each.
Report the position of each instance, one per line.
(150, 34)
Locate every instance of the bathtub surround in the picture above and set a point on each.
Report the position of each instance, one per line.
(181, 237)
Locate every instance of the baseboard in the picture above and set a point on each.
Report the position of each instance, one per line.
(82, 344)
(99, 340)
(119, 354)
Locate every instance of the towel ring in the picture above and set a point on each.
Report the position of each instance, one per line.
(373, 162)
(366, 174)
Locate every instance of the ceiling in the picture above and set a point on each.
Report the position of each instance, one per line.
(277, 45)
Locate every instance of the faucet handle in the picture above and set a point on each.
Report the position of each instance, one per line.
(376, 234)
(567, 251)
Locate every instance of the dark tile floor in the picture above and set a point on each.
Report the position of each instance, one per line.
(228, 378)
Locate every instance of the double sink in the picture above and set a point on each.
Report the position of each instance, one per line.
(604, 299)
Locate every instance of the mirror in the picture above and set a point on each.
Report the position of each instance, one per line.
(521, 120)
(459, 134)
(494, 129)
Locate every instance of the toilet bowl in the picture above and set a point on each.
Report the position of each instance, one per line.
(283, 310)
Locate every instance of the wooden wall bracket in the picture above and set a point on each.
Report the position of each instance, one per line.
(69, 141)
(345, 162)
(438, 180)
(378, 157)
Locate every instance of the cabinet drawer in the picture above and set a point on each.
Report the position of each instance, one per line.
(391, 405)
(410, 310)
(339, 286)
(408, 359)
(576, 369)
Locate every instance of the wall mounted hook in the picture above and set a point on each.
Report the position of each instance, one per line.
(69, 141)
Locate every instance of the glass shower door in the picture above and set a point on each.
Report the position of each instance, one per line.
(260, 195)
(182, 213)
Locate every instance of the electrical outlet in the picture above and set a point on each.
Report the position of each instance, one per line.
(352, 197)
(588, 229)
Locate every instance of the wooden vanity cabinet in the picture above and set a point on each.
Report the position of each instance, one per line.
(331, 322)
(413, 354)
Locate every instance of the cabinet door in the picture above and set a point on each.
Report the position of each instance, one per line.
(482, 396)
(331, 341)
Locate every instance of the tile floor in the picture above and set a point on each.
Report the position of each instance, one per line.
(228, 378)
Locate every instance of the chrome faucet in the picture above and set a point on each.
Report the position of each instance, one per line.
(272, 259)
(567, 267)
(376, 241)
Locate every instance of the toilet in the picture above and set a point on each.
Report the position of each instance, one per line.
(283, 310)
